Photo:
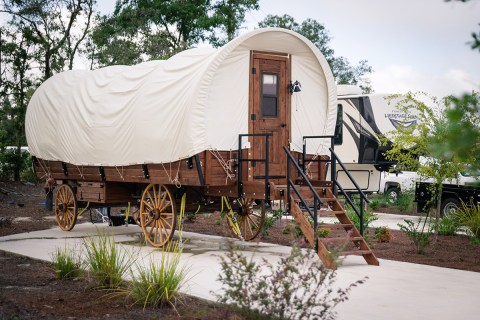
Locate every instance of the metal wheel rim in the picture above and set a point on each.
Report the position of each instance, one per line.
(450, 209)
(157, 215)
(65, 207)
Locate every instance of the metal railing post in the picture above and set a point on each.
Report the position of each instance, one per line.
(315, 222)
(304, 155)
(267, 183)
(240, 162)
(289, 206)
(362, 203)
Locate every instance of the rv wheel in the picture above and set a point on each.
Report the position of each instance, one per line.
(449, 207)
(393, 194)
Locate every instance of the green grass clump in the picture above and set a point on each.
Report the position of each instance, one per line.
(469, 218)
(106, 262)
(160, 282)
(67, 264)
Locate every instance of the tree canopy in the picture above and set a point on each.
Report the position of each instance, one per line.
(316, 32)
(140, 30)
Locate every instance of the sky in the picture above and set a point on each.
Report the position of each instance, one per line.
(412, 45)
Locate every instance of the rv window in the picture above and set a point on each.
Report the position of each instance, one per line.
(269, 95)
(338, 137)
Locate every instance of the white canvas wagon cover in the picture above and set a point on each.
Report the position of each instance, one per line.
(163, 111)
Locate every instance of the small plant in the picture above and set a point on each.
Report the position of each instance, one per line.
(323, 232)
(405, 201)
(268, 291)
(419, 236)
(270, 221)
(67, 264)
(159, 283)
(447, 226)
(374, 203)
(368, 218)
(106, 262)
(383, 234)
(289, 228)
(469, 218)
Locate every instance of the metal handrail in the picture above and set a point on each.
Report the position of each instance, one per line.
(333, 160)
(363, 197)
(316, 198)
(240, 160)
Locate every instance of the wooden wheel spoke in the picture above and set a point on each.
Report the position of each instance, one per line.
(166, 222)
(148, 205)
(151, 232)
(167, 204)
(162, 201)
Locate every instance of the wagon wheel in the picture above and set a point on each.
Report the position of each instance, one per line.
(158, 216)
(65, 207)
(250, 217)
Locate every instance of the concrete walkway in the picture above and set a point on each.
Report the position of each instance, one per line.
(394, 290)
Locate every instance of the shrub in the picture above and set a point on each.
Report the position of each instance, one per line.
(374, 203)
(67, 264)
(106, 262)
(405, 201)
(297, 287)
(419, 236)
(383, 234)
(159, 283)
(447, 226)
(270, 220)
(469, 218)
(368, 217)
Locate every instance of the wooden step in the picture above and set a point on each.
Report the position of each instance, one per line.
(352, 237)
(342, 239)
(345, 226)
(355, 252)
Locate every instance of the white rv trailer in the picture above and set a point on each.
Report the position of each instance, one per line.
(365, 118)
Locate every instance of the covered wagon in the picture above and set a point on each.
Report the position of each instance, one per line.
(209, 123)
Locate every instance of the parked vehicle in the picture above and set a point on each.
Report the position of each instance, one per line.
(452, 197)
(392, 183)
(397, 181)
(361, 120)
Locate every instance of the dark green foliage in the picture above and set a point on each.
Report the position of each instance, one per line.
(270, 220)
(141, 30)
(461, 132)
(448, 226)
(419, 233)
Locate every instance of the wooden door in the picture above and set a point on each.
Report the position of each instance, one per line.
(270, 113)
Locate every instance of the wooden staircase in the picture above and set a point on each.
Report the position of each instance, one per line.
(343, 237)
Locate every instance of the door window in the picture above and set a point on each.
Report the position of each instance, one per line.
(270, 95)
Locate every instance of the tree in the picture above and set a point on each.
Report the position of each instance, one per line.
(56, 27)
(140, 30)
(461, 131)
(228, 17)
(463, 128)
(316, 32)
(409, 144)
(17, 86)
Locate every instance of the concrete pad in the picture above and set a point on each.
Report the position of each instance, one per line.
(394, 290)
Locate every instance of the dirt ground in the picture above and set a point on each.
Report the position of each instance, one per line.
(29, 289)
